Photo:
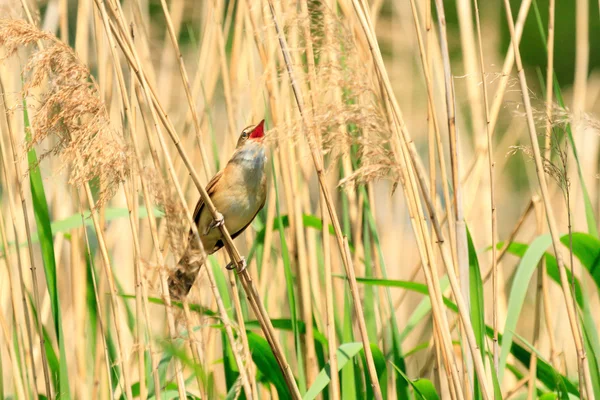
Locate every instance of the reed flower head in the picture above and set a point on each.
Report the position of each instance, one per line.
(71, 117)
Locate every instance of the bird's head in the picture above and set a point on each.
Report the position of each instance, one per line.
(252, 133)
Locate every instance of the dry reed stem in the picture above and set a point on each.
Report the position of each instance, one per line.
(462, 253)
(20, 264)
(414, 158)
(342, 241)
(135, 65)
(12, 357)
(504, 76)
(18, 183)
(97, 290)
(583, 367)
(186, 85)
(128, 110)
(491, 164)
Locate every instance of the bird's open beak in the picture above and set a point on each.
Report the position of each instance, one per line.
(258, 133)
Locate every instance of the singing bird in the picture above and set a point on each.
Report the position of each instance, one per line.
(238, 192)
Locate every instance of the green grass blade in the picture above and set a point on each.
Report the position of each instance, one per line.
(75, 221)
(523, 275)
(348, 385)
(345, 353)
(477, 306)
(263, 357)
(230, 368)
(423, 388)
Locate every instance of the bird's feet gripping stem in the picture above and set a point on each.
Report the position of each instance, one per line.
(217, 222)
(231, 265)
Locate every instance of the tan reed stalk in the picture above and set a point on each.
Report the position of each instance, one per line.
(305, 283)
(186, 85)
(97, 290)
(220, 305)
(509, 61)
(116, 309)
(430, 270)
(12, 355)
(329, 298)
(194, 338)
(531, 392)
(141, 301)
(196, 349)
(242, 332)
(583, 367)
(461, 249)
(135, 65)
(224, 71)
(582, 55)
(169, 56)
(19, 185)
(470, 61)
(414, 158)
(142, 309)
(427, 70)
(547, 143)
(491, 164)
(63, 6)
(522, 382)
(342, 241)
(12, 285)
(129, 115)
(505, 75)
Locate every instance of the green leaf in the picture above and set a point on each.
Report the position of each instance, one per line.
(75, 221)
(423, 388)
(477, 305)
(263, 357)
(523, 275)
(344, 354)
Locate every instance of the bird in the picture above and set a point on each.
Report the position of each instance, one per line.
(239, 192)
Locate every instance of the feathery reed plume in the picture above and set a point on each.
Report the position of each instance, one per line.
(348, 113)
(71, 113)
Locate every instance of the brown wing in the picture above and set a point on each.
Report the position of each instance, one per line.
(210, 188)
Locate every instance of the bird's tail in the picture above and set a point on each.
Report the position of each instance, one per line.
(181, 282)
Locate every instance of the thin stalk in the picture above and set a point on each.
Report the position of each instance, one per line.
(462, 252)
(547, 144)
(491, 164)
(420, 175)
(36, 289)
(186, 85)
(583, 369)
(20, 390)
(342, 241)
(244, 274)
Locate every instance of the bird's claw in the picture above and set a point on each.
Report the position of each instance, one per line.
(217, 222)
(231, 266)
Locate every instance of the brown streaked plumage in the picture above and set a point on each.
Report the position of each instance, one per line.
(238, 192)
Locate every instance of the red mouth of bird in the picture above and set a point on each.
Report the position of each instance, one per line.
(258, 133)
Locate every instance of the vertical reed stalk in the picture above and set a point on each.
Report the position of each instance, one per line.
(491, 164)
(583, 367)
(342, 241)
